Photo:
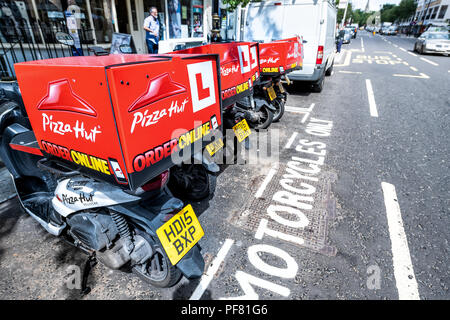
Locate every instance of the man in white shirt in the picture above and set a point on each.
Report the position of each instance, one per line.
(151, 27)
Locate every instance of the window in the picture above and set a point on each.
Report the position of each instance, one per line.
(433, 15)
(185, 18)
(442, 12)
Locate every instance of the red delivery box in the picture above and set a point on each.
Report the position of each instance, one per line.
(122, 118)
(281, 56)
(239, 68)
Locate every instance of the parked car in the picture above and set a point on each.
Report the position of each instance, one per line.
(433, 42)
(347, 36)
(314, 20)
(352, 31)
(391, 31)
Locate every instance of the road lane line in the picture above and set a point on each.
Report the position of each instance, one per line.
(351, 72)
(372, 105)
(413, 54)
(212, 270)
(291, 140)
(422, 76)
(403, 269)
(266, 181)
(402, 49)
(414, 69)
(430, 62)
(362, 45)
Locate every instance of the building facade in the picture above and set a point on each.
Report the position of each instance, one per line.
(181, 20)
(431, 13)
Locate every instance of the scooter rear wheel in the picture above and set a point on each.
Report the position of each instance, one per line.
(158, 271)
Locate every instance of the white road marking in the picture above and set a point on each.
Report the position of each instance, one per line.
(347, 60)
(390, 52)
(414, 69)
(395, 56)
(403, 268)
(362, 45)
(430, 62)
(266, 181)
(395, 45)
(306, 111)
(413, 54)
(405, 63)
(291, 140)
(372, 105)
(213, 267)
(403, 49)
(351, 72)
(422, 76)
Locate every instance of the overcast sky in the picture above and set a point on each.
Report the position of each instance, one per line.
(374, 5)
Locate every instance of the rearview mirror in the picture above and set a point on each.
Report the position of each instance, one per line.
(64, 38)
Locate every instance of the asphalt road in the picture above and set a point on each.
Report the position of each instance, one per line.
(355, 206)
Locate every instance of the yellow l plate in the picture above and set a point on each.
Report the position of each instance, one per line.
(280, 86)
(241, 130)
(180, 234)
(214, 146)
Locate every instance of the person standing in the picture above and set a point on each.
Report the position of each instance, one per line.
(151, 27)
(340, 39)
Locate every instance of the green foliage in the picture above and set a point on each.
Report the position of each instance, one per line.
(392, 13)
(232, 4)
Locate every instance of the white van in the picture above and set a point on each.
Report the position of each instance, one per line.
(314, 20)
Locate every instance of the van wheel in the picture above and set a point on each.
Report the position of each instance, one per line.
(330, 69)
(318, 86)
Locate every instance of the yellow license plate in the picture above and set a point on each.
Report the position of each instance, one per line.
(280, 86)
(241, 130)
(271, 92)
(214, 146)
(287, 80)
(180, 234)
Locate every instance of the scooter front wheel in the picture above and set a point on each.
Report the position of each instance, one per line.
(265, 118)
(279, 106)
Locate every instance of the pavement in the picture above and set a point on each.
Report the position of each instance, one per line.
(355, 205)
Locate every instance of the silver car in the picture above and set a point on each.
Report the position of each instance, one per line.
(347, 36)
(433, 42)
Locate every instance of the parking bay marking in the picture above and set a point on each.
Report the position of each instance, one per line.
(306, 111)
(403, 268)
(270, 175)
(372, 104)
(291, 140)
(212, 270)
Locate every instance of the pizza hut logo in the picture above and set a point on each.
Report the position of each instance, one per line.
(60, 97)
(201, 80)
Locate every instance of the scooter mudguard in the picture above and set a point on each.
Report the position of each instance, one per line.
(260, 103)
(192, 264)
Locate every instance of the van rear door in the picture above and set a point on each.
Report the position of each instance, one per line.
(264, 22)
(303, 18)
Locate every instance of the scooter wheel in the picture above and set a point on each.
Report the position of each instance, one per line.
(192, 182)
(158, 271)
(265, 119)
(279, 105)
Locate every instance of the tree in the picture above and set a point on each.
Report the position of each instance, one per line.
(232, 4)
